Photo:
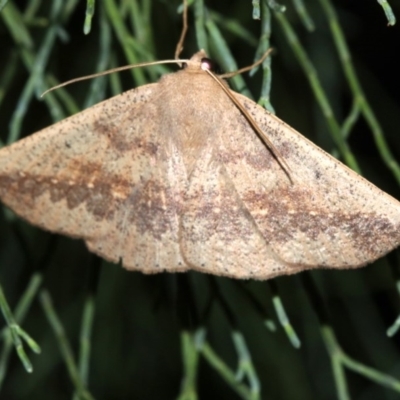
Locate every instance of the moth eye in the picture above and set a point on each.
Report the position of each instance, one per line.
(207, 63)
(184, 66)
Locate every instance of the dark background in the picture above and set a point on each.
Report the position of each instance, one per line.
(139, 320)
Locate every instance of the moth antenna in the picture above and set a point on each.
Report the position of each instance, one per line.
(275, 152)
(111, 71)
(250, 67)
(179, 46)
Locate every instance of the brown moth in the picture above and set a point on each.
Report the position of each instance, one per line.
(172, 176)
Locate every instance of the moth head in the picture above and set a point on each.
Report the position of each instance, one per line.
(200, 61)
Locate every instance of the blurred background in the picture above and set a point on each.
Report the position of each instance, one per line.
(106, 333)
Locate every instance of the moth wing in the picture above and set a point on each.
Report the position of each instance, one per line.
(105, 175)
(326, 215)
(255, 222)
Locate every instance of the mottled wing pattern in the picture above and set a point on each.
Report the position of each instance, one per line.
(244, 217)
(325, 216)
(104, 175)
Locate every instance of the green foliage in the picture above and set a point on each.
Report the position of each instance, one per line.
(106, 333)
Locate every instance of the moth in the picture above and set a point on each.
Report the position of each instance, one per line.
(172, 176)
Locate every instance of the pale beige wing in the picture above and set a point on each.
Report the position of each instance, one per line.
(245, 218)
(105, 175)
(327, 216)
